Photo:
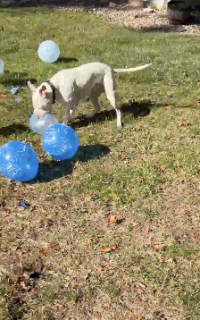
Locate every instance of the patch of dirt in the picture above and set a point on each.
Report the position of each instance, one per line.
(118, 12)
(141, 19)
(156, 21)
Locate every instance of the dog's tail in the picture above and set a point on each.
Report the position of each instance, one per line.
(133, 69)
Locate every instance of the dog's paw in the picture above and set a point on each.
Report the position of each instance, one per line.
(67, 123)
(120, 125)
(90, 115)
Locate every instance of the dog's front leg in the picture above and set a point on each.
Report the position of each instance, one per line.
(68, 117)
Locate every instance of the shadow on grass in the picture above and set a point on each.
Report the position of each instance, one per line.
(50, 4)
(18, 82)
(137, 109)
(15, 9)
(66, 59)
(13, 128)
(51, 170)
(15, 79)
(163, 29)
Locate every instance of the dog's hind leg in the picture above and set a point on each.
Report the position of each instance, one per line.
(95, 101)
(110, 87)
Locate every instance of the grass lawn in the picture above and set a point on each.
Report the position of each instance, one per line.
(115, 233)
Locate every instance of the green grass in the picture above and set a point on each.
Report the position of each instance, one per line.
(63, 258)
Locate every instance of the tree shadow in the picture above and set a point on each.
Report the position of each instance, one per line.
(15, 79)
(14, 4)
(163, 29)
(12, 9)
(52, 169)
(16, 128)
(193, 20)
(137, 109)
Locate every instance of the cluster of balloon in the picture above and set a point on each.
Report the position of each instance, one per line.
(18, 161)
(41, 125)
(60, 142)
(48, 51)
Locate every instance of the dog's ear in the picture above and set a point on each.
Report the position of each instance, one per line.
(42, 90)
(31, 86)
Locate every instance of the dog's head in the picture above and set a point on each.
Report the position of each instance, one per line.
(42, 98)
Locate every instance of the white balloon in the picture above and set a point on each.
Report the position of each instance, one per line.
(1, 66)
(41, 125)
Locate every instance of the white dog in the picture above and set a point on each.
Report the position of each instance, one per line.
(71, 85)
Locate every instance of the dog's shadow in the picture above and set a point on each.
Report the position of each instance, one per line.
(66, 59)
(137, 109)
(51, 170)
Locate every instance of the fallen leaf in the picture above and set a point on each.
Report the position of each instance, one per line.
(184, 123)
(134, 223)
(122, 157)
(105, 250)
(113, 219)
(185, 212)
(145, 228)
(53, 245)
(25, 276)
(44, 251)
(171, 260)
(196, 236)
(158, 246)
(162, 168)
(140, 285)
(87, 241)
(87, 197)
(3, 96)
(116, 218)
(22, 284)
(138, 318)
(13, 279)
(104, 268)
(115, 197)
(181, 172)
(86, 276)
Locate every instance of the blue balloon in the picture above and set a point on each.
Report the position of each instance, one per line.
(48, 51)
(41, 125)
(18, 161)
(60, 142)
